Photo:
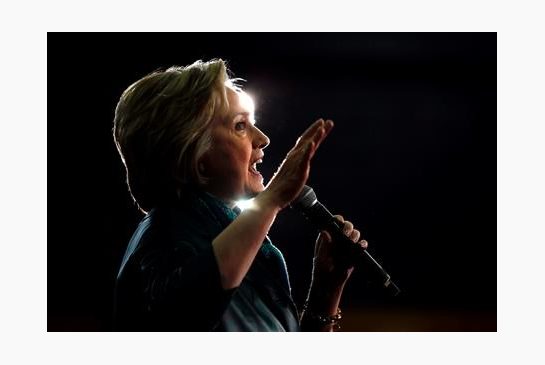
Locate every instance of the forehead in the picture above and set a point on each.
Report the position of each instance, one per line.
(239, 102)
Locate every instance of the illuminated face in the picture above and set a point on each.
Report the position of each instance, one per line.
(237, 144)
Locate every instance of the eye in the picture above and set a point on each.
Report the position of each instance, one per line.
(240, 126)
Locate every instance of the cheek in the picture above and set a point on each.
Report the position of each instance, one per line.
(237, 153)
(231, 159)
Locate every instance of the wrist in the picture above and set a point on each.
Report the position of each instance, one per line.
(315, 321)
(266, 200)
(323, 298)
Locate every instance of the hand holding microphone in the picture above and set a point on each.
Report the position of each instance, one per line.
(308, 204)
(332, 262)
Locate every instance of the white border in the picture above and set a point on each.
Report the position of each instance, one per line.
(520, 183)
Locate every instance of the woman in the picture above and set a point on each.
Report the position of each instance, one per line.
(196, 263)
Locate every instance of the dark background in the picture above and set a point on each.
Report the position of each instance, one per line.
(411, 161)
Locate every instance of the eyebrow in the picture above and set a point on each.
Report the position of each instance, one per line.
(246, 114)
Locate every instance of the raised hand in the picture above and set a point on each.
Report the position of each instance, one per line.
(291, 176)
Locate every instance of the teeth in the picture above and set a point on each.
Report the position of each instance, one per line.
(254, 165)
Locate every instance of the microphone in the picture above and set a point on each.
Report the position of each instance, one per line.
(307, 204)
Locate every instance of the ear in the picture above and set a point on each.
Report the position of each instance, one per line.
(201, 165)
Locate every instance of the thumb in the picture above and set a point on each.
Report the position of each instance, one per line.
(324, 237)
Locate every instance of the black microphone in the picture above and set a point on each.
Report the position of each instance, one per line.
(313, 210)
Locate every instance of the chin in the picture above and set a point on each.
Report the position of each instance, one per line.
(251, 192)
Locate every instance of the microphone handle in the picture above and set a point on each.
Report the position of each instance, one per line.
(323, 219)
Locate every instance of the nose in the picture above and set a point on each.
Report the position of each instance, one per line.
(260, 139)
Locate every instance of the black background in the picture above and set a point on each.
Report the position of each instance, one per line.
(411, 161)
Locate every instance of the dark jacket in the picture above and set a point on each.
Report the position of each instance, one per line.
(169, 278)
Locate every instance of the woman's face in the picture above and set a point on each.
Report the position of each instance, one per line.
(237, 144)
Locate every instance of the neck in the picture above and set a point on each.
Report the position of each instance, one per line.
(228, 202)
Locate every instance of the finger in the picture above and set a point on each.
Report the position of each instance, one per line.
(309, 152)
(328, 126)
(322, 133)
(317, 140)
(355, 236)
(306, 149)
(339, 218)
(316, 137)
(364, 244)
(318, 134)
(311, 131)
(348, 227)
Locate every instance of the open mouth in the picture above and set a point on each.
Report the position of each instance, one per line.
(253, 167)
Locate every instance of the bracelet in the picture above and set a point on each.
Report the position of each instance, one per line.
(324, 320)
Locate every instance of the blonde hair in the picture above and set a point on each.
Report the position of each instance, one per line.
(161, 128)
